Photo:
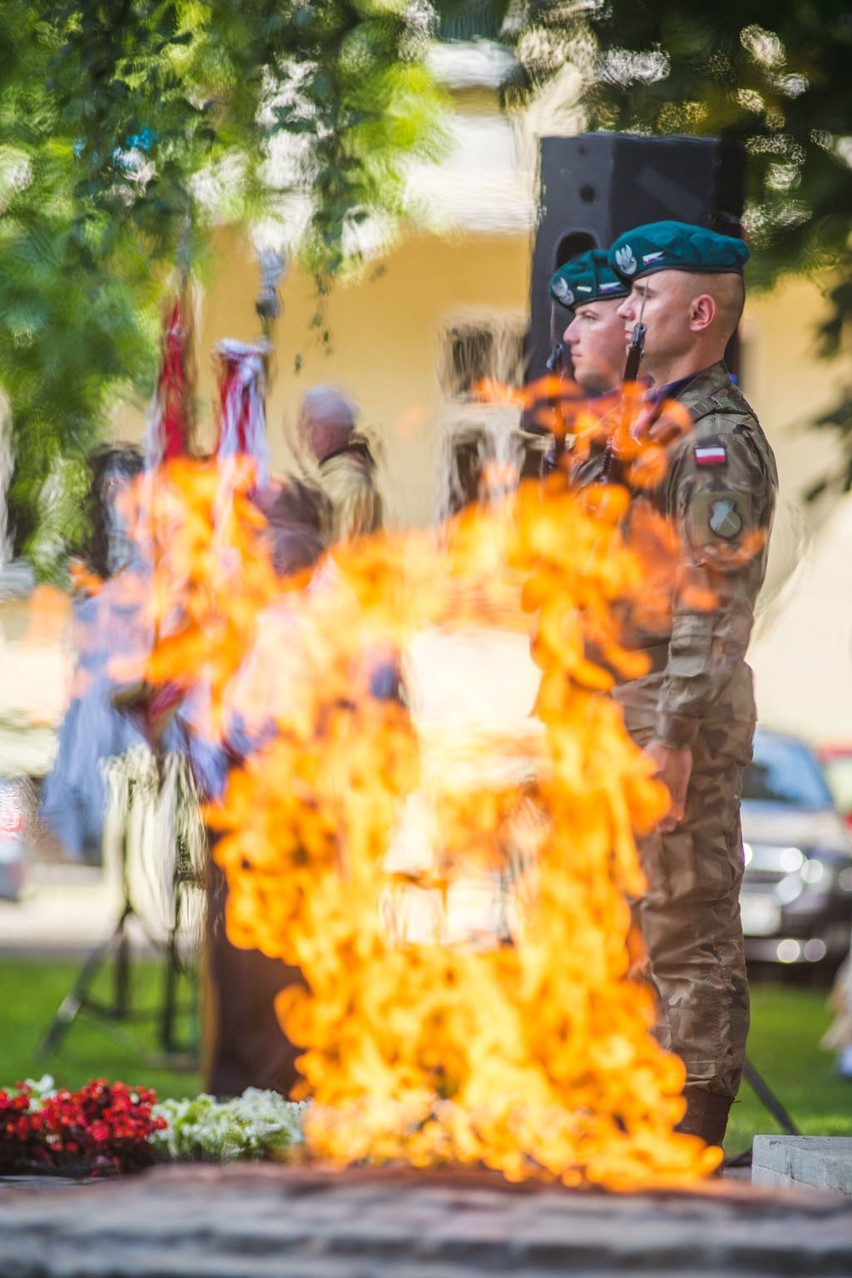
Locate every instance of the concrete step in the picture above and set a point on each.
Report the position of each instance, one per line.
(267, 1221)
(822, 1162)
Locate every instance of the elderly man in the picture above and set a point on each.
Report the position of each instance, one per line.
(694, 712)
(346, 466)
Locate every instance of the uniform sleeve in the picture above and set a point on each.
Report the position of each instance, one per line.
(721, 500)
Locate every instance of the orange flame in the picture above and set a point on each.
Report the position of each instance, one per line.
(529, 1051)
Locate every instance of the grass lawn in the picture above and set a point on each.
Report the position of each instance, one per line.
(787, 1023)
(93, 1047)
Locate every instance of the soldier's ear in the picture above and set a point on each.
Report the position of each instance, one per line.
(702, 312)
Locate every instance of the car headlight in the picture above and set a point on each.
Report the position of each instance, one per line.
(817, 874)
(827, 876)
(791, 860)
(773, 858)
(789, 889)
(797, 871)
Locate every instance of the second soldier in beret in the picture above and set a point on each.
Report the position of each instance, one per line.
(590, 290)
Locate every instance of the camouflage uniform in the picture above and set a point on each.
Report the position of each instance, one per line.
(719, 487)
(347, 477)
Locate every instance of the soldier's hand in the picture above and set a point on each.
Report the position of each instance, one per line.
(674, 768)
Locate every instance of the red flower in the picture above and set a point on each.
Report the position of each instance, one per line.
(101, 1128)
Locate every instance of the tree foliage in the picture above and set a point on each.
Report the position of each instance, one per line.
(117, 120)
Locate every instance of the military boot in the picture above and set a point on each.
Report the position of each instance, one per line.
(706, 1115)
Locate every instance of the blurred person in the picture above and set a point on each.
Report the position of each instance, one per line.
(296, 515)
(694, 712)
(345, 465)
(838, 1036)
(347, 477)
(74, 794)
(244, 1044)
(837, 766)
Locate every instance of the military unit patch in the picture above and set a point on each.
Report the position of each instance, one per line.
(724, 518)
(717, 516)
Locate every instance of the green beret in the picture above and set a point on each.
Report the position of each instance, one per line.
(587, 278)
(676, 246)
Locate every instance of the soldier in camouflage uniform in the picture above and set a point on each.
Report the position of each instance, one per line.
(588, 288)
(590, 291)
(694, 711)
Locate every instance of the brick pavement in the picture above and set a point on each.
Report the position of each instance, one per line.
(254, 1221)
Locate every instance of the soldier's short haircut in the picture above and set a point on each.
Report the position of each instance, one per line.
(727, 291)
(729, 294)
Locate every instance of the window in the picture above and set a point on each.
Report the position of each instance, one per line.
(474, 352)
(484, 450)
(784, 771)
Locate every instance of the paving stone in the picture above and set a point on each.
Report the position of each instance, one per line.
(823, 1162)
(259, 1221)
(40, 1184)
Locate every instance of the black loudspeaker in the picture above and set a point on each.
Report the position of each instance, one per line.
(596, 185)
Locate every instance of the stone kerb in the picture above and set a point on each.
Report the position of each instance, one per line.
(822, 1162)
(250, 1221)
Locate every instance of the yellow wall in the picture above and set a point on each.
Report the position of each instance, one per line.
(385, 342)
(787, 384)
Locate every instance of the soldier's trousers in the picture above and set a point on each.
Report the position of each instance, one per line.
(690, 915)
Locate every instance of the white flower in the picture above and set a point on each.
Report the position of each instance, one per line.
(258, 1124)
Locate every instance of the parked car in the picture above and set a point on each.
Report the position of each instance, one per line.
(836, 763)
(796, 901)
(16, 816)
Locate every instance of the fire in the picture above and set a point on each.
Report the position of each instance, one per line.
(525, 1047)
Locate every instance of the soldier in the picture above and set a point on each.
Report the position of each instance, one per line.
(346, 466)
(589, 287)
(693, 712)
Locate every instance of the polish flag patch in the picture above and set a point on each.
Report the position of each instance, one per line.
(711, 455)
